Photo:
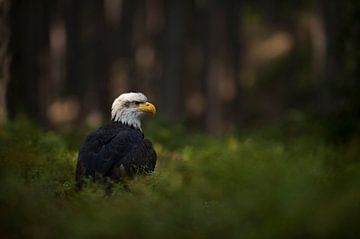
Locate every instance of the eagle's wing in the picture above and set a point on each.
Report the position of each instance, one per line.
(140, 159)
(114, 151)
(95, 155)
(126, 149)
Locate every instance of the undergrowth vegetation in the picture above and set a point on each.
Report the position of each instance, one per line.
(247, 186)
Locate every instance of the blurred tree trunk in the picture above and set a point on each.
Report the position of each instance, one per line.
(342, 55)
(30, 53)
(194, 95)
(339, 95)
(332, 13)
(148, 46)
(221, 87)
(87, 73)
(95, 68)
(336, 17)
(4, 56)
(235, 49)
(72, 24)
(172, 96)
(120, 49)
(213, 118)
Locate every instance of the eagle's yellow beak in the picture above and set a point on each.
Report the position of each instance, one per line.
(147, 107)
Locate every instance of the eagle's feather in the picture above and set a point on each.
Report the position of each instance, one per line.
(113, 149)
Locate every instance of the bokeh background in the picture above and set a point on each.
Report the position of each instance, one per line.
(258, 125)
(211, 65)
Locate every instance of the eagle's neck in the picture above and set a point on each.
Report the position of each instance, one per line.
(129, 118)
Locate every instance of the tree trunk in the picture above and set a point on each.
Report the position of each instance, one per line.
(87, 73)
(221, 87)
(4, 56)
(173, 60)
(119, 15)
(29, 48)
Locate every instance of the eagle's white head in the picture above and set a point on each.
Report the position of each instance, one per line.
(129, 107)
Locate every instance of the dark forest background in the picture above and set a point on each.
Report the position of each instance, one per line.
(257, 133)
(211, 64)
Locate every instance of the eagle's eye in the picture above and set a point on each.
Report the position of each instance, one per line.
(137, 103)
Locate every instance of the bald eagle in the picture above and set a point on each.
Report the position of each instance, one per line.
(118, 149)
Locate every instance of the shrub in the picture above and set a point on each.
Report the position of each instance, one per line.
(234, 187)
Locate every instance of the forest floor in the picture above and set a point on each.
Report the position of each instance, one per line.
(263, 184)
